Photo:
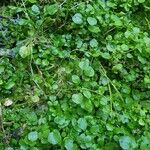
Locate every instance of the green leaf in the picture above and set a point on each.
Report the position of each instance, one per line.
(89, 71)
(93, 43)
(60, 120)
(2, 68)
(25, 51)
(84, 64)
(105, 55)
(35, 9)
(94, 29)
(141, 122)
(87, 105)
(9, 85)
(124, 47)
(104, 101)
(9, 148)
(68, 143)
(141, 1)
(35, 98)
(33, 136)
(136, 30)
(117, 21)
(79, 43)
(77, 18)
(127, 143)
(104, 80)
(147, 40)
(87, 94)
(75, 79)
(51, 9)
(117, 67)
(32, 117)
(92, 21)
(109, 127)
(32, 1)
(77, 98)
(82, 123)
(129, 55)
(54, 137)
(147, 79)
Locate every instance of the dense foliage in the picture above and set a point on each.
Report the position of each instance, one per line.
(77, 75)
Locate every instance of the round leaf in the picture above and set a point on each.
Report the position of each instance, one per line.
(77, 98)
(82, 123)
(25, 51)
(84, 64)
(35, 9)
(51, 9)
(68, 143)
(93, 43)
(94, 29)
(89, 71)
(127, 143)
(88, 106)
(54, 137)
(92, 21)
(87, 94)
(33, 136)
(77, 18)
(75, 79)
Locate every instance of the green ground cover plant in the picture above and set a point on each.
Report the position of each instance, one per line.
(75, 75)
